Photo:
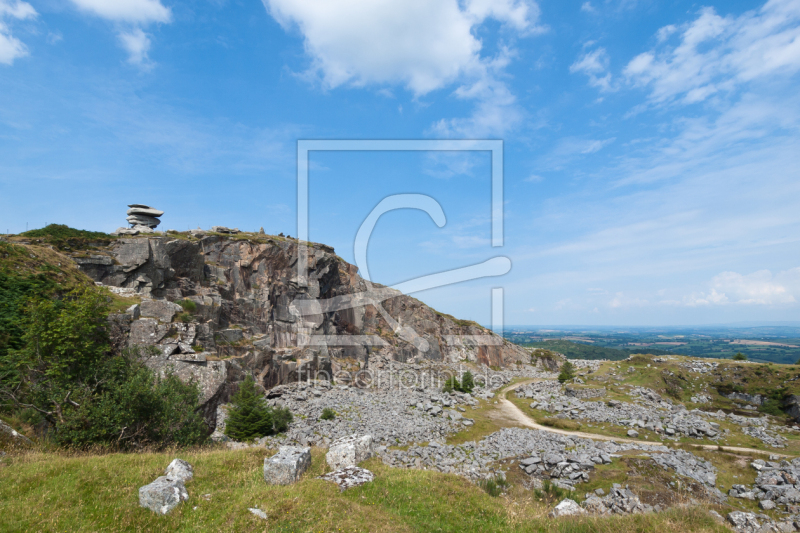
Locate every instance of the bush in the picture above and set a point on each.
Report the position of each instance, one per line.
(184, 317)
(136, 409)
(327, 414)
(740, 357)
(188, 305)
(250, 417)
(495, 486)
(771, 407)
(567, 372)
(64, 237)
(65, 373)
(466, 384)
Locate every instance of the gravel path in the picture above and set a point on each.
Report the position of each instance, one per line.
(512, 412)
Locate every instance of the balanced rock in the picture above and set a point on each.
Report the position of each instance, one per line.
(349, 451)
(286, 466)
(142, 220)
(145, 211)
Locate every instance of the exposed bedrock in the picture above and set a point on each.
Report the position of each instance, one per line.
(253, 312)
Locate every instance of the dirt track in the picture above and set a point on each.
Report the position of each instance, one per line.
(512, 413)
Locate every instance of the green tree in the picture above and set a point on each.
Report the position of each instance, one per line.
(63, 345)
(740, 357)
(250, 417)
(467, 382)
(567, 372)
(64, 374)
(451, 384)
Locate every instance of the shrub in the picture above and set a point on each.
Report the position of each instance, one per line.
(250, 417)
(495, 486)
(184, 317)
(740, 357)
(467, 382)
(327, 414)
(188, 305)
(64, 371)
(771, 407)
(567, 372)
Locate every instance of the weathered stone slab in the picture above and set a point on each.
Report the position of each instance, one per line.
(145, 211)
(163, 310)
(349, 451)
(286, 466)
(349, 477)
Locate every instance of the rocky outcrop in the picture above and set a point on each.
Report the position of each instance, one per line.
(244, 310)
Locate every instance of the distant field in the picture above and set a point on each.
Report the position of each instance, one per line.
(769, 344)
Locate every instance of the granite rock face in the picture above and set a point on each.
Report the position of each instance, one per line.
(286, 466)
(252, 311)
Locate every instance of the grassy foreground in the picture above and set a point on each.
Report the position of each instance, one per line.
(58, 492)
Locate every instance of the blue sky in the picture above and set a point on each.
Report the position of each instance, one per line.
(652, 149)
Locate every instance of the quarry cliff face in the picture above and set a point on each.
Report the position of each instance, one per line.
(253, 285)
(251, 311)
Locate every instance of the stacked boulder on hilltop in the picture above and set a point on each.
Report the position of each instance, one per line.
(142, 219)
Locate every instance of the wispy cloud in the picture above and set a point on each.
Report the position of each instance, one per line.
(12, 48)
(595, 65)
(718, 54)
(129, 16)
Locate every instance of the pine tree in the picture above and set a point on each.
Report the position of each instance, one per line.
(250, 417)
(467, 382)
(567, 372)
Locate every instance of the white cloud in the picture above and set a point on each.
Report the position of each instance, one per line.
(10, 47)
(718, 54)
(595, 65)
(534, 178)
(587, 7)
(131, 11)
(758, 288)
(134, 14)
(137, 43)
(418, 44)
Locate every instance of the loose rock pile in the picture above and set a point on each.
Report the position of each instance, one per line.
(477, 460)
(652, 412)
(390, 417)
(778, 483)
(619, 501)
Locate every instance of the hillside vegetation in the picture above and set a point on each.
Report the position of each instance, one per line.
(577, 350)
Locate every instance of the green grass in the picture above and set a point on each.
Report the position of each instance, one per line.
(58, 492)
(66, 238)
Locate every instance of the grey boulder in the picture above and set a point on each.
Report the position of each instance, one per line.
(163, 495)
(143, 220)
(286, 466)
(349, 451)
(567, 507)
(179, 469)
(163, 310)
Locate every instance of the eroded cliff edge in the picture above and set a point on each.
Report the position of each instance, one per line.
(247, 313)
